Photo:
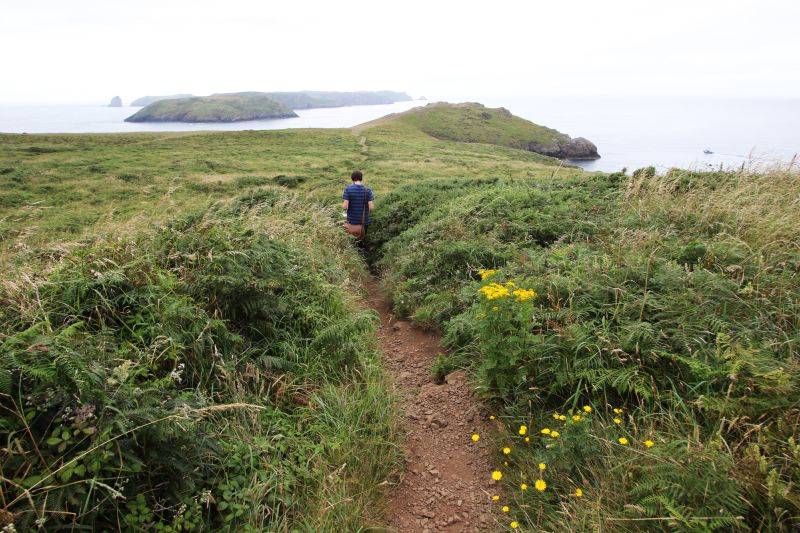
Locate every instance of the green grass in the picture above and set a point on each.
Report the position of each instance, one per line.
(57, 189)
(475, 123)
(127, 256)
(674, 298)
(212, 374)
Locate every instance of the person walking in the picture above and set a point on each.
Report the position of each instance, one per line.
(357, 201)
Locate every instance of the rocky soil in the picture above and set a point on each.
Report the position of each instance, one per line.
(446, 484)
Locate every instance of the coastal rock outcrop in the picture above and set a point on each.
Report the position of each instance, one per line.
(575, 149)
(115, 102)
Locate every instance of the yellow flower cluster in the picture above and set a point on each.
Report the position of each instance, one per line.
(569, 419)
(484, 273)
(493, 291)
(524, 294)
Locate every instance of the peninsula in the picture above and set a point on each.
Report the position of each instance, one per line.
(474, 123)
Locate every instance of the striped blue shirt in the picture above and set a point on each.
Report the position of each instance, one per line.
(355, 209)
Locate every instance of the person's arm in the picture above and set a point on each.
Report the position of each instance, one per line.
(371, 200)
(345, 200)
(371, 205)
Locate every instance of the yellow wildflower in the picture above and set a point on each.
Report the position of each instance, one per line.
(617, 421)
(562, 417)
(546, 431)
(523, 430)
(578, 493)
(554, 434)
(505, 463)
(649, 443)
(506, 450)
(509, 283)
(495, 308)
(527, 439)
(555, 415)
(497, 475)
(505, 508)
(484, 273)
(514, 524)
(493, 291)
(542, 466)
(540, 485)
(475, 437)
(587, 408)
(495, 498)
(524, 486)
(491, 417)
(617, 411)
(524, 294)
(623, 441)
(577, 418)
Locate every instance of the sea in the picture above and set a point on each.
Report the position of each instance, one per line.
(630, 133)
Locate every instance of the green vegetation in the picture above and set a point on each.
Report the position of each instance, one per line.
(474, 123)
(231, 108)
(127, 256)
(211, 374)
(673, 300)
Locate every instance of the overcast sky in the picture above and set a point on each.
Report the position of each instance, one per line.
(89, 51)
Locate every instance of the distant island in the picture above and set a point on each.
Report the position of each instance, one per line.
(115, 102)
(219, 108)
(474, 123)
(315, 99)
(147, 100)
(251, 105)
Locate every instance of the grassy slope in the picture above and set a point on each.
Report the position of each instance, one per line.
(82, 217)
(675, 266)
(56, 188)
(673, 298)
(212, 109)
(474, 123)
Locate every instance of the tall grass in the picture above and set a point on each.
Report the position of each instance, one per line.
(209, 375)
(674, 299)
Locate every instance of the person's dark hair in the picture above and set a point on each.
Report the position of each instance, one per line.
(356, 175)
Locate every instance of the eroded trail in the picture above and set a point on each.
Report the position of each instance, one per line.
(446, 480)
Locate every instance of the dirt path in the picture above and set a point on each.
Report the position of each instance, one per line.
(446, 483)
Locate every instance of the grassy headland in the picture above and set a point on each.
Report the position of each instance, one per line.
(474, 123)
(190, 295)
(229, 108)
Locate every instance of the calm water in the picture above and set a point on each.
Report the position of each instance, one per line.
(629, 132)
(102, 119)
(672, 132)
